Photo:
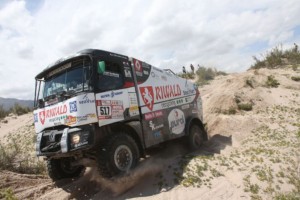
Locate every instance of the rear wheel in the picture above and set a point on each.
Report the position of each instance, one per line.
(117, 155)
(196, 137)
(61, 168)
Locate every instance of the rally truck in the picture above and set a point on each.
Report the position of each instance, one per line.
(105, 109)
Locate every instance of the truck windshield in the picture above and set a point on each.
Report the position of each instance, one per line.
(69, 81)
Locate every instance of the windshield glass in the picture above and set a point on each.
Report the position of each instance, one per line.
(70, 81)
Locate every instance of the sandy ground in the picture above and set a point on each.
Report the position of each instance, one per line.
(14, 123)
(250, 155)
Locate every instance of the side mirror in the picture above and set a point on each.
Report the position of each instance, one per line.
(101, 67)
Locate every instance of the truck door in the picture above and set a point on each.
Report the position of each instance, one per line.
(153, 121)
(116, 98)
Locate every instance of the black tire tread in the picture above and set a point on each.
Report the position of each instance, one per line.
(104, 167)
(56, 173)
(190, 142)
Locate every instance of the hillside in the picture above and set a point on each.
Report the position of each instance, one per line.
(10, 102)
(252, 153)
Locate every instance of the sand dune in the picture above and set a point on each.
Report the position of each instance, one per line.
(250, 155)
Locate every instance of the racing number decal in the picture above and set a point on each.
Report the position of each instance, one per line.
(105, 110)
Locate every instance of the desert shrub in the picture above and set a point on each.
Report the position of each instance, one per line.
(19, 110)
(17, 155)
(249, 82)
(294, 67)
(272, 82)
(277, 57)
(295, 78)
(7, 194)
(245, 106)
(188, 75)
(206, 74)
(230, 111)
(3, 112)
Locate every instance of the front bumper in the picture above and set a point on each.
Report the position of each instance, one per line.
(52, 142)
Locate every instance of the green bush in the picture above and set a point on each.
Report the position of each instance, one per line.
(272, 82)
(19, 110)
(295, 78)
(230, 111)
(245, 106)
(206, 74)
(278, 57)
(188, 75)
(7, 194)
(3, 112)
(16, 154)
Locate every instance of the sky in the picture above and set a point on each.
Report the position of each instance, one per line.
(224, 34)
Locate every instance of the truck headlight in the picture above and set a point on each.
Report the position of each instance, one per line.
(79, 138)
(75, 138)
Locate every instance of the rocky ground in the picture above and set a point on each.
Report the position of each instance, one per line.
(252, 153)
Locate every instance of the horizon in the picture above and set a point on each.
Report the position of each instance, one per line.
(166, 34)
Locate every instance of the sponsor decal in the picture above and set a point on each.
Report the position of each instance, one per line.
(110, 109)
(116, 93)
(161, 93)
(157, 134)
(152, 115)
(168, 104)
(167, 91)
(105, 95)
(69, 120)
(188, 99)
(111, 94)
(86, 100)
(188, 92)
(85, 117)
(112, 74)
(154, 126)
(138, 67)
(73, 106)
(146, 72)
(186, 106)
(55, 119)
(133, 110)
(42, 117)
(172, 103)
(35, 117)
(147, 96)
(52, 112)
(176, 120)
(127, 72)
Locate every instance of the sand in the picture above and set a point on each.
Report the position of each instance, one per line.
(250, 155)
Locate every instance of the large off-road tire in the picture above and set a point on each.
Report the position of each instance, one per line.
(61, 168)
(195, 137)
(117, 155)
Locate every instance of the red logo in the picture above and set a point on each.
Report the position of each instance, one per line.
(42, 117)
(148, 97)
(138, 66)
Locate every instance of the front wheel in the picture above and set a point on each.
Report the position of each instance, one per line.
(117, 155)
(61, 168)
(195, 137)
